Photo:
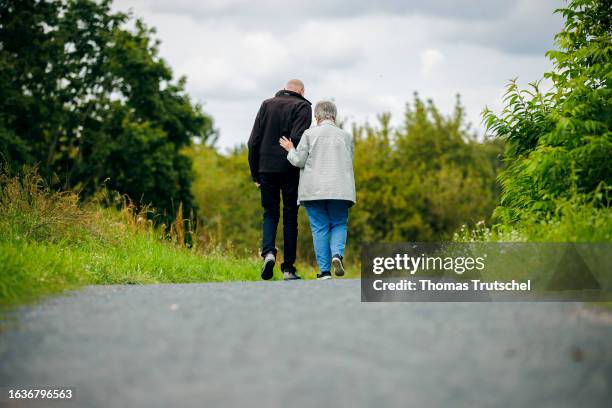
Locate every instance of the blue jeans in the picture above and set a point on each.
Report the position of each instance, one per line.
(328, 220)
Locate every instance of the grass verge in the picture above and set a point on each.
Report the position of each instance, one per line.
(32, 270)
(50, 243)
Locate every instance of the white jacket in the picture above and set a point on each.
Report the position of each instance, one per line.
(325, 155)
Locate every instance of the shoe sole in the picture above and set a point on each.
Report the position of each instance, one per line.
(324, 278)
(268, 270)
(338, 268)
(290, 277)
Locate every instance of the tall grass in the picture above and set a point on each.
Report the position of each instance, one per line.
(31, 212)
(49, 243)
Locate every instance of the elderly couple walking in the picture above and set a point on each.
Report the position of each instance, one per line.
(311, 166)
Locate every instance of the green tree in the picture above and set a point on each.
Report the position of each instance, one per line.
(414, 183)
(559, 143)
(229, 209)
(418, 182)
(92, 102)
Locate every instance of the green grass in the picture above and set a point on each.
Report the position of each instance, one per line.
(573, 221)
(33, 269)
(50, 243)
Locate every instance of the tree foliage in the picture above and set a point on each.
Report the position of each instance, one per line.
(559, 143)
(417, 182)
(92, 102)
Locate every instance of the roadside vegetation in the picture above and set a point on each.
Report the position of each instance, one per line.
(49, 242)
(415, 182)
(556, 185)
(112, 175)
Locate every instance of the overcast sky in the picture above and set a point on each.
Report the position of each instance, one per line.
(369, 56)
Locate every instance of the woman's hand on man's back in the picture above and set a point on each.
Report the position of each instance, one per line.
(286, 143)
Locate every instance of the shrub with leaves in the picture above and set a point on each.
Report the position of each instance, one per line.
(559, 143)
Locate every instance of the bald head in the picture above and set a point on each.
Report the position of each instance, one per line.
(295, 85)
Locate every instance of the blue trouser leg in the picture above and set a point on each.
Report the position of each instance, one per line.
(338, 219)
(320, 226)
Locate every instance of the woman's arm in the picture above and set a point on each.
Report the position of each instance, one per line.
(298, 156)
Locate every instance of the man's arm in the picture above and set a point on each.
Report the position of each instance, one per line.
(303, 119)
(254, 145)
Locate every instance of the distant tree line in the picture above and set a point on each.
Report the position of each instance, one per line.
(417, 182)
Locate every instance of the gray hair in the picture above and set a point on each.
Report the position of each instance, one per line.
(325, 110)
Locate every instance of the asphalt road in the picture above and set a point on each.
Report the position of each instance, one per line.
(303, 344)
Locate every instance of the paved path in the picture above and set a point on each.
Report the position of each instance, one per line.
(305, 344)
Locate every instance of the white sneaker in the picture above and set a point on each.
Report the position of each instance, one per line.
(324, 276)
(267, 270)
(291, 276)
(338, 265)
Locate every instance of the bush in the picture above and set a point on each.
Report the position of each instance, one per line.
(559, 143)
(572, 221)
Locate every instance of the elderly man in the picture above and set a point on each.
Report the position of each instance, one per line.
(327, 185)
(288, 113)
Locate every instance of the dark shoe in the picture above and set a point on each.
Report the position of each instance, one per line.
(324, 276)
(267, 270)
(290, 276)
(338, 265)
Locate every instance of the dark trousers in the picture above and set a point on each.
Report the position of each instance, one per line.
(273, 185)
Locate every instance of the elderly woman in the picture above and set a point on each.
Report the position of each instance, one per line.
(327, 185)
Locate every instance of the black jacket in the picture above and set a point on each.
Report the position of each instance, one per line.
(287, 114)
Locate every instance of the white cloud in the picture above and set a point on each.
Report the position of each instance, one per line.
(430, 58)
(291, 11)
(528, 28)
(368, 56)
(327, 46)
